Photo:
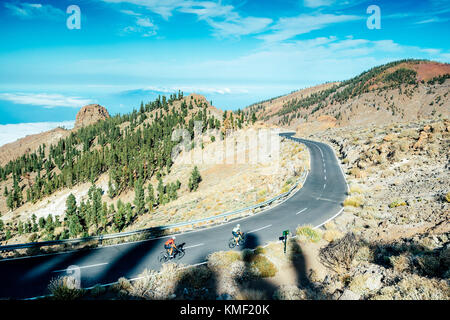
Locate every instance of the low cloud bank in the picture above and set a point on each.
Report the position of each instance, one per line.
(12, 132)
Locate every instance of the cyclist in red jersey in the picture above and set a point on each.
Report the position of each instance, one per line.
(170, 246)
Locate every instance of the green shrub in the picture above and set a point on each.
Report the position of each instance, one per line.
(397, 203)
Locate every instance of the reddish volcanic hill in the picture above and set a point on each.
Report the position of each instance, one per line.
(399, 91)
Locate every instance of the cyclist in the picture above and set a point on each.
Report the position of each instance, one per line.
(237, 233)
(170, 246)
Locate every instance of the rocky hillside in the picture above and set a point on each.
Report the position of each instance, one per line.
(400, 91)
(87, 115)
(122, 175)
(398, 206)
(30, 144)
(90, 114)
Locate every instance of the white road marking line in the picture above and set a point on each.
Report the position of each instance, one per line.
(302, 210)
(320, 150)
(260, 228)
(324, 185)
(325, 199)
(90, 266)
(325, 177)
(195, 245)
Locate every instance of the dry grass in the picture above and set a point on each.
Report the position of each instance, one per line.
(402, 262)
(251, 294)
(415, 287)
(332, 235)
(357, 173)
(156, 285)
(331, 232)
(265, 267)
(308, 233)
(64, 288)
(354, 188)
(364, 254)
(355, 201)
(222, 260)
(289, 292)
(338, 255)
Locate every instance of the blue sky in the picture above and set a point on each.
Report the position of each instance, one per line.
(233, 52)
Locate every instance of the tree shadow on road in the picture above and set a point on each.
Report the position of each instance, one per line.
(133, 254)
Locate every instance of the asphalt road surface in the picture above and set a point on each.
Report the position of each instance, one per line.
(319, 201)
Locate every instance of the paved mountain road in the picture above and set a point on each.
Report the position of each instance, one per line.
(318, 201)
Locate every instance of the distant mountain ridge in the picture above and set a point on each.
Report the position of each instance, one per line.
(398, 91)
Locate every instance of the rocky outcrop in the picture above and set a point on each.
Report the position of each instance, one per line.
(90, 114)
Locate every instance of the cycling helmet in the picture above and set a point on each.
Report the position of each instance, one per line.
(174, 237)
(238, 225)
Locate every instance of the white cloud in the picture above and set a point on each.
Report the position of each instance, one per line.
(239, 27)
(162, 7)
(145, 22)
(45, 100)
(198, 89)
(432, 20)
(130, 12)
(224, 19)
(431, 51)
(12, 132)
(317, 3)
(318, 60)
(287, 28)
(35, 10)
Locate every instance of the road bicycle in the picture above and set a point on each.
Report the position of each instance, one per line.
(232, 241)
(178, 253)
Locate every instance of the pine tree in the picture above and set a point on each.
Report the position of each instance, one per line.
(104, 216)
(111, 189)
(161, 189)
(139, 199)
(49, 225)
(75, 227)
(194, 180)
(150, 197)
(41, 223)
(10, 201)
(19, 228)
(128, 213)
(119, 216)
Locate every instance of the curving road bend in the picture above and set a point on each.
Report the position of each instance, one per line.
(319, 201)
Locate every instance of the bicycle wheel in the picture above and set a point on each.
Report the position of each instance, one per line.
(232, 243)
(163, 257)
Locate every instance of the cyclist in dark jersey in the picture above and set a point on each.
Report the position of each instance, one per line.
(237, 233)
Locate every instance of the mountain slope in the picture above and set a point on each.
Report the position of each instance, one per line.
(399, 91)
